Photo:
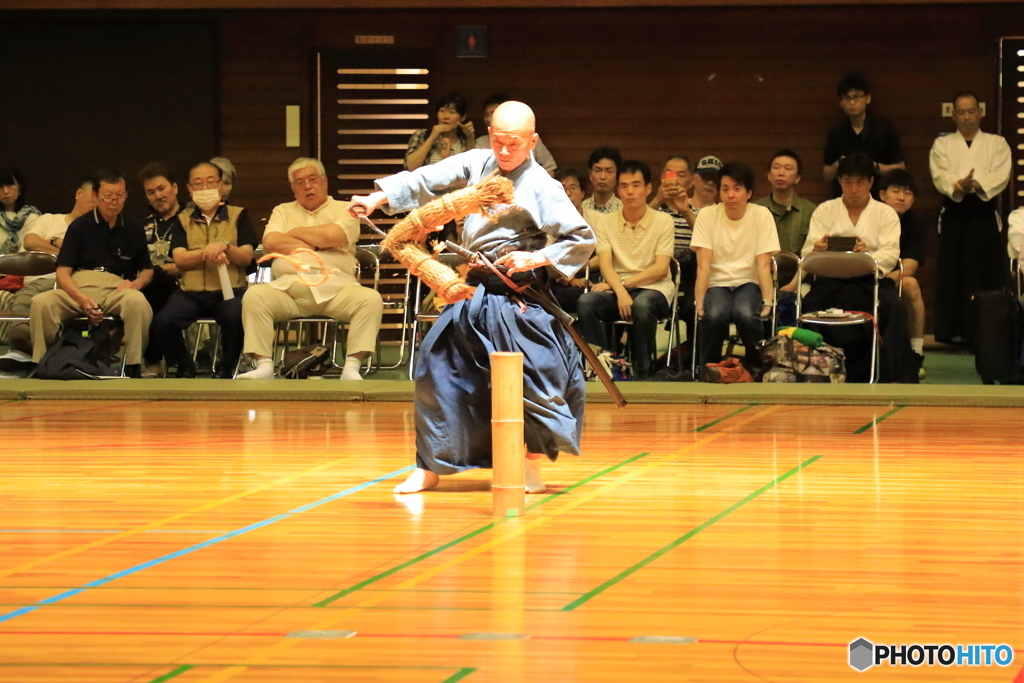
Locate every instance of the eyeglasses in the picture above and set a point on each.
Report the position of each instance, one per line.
(571, 187)
(112, 198)
(308, 181)
(854, 98)
(204, 185)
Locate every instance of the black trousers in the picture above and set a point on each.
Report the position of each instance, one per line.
(157, 292)
(855, 294)
(184, 308)
(972, 258)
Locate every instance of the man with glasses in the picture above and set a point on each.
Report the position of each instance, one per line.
(102, 266)
(316, 222)
(202, 240)
(861, 132)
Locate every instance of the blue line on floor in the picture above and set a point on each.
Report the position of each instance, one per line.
(198, 546)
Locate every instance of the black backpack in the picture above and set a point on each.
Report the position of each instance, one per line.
(305, 362)
(81, 352)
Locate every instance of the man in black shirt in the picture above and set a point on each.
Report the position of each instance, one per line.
(898, 188)
(860, 133)
(161, 188)
(102, 266)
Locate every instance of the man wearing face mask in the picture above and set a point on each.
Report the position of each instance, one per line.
(452, 374)
(202, 240)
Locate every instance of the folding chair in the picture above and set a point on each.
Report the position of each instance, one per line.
(842, 265)
(785, 265)
(670, 320)
(24, 263)
(396, 302)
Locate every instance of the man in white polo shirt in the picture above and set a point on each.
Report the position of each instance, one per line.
(317, 222)
(634, 248)
(877, 229)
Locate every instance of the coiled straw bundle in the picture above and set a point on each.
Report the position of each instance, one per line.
(405, 240)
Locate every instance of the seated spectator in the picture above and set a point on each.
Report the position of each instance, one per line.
(318, 222)
(860, 132)
(102, 266)
(705, 186)
(451, 135)
(673, 198)
(877, 229)
(604, 176)
(792, 213)
(898, 188)
(567, 291)
(16, 217)
(540, 152)
(211, 235)
(46, 234)
(734, 242)
(634, 249)
(228, 176)
(161, 191)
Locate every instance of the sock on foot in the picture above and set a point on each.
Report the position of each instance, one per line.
(264, 370)
(351, 369)
(918, 345)
(534, 484)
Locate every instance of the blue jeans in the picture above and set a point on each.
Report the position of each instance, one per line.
(722, 306)
(649, 305)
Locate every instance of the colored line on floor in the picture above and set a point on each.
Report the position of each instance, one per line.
(198, 546)
(877, 420)
(173, 674)
(487, 527)
(587, 597)
(723, 419)
(205, 507)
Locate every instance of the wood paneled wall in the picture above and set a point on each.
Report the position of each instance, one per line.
(735, 82)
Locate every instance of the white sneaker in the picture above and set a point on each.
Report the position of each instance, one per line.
(264, 370)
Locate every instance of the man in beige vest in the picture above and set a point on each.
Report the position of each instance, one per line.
(315, 222)
(208, 243)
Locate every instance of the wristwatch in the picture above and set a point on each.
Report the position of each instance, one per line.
(766, 302)
(53, 241)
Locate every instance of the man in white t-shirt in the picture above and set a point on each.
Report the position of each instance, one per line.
(877, 229)
(314, 221)
(46, 234)
(734, 241)
(634, 250)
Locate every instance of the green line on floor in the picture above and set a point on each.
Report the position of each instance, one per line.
(173, 674)
(487, 527)
(723, 419)
(583, 599)
(459, 675)
(871, 425)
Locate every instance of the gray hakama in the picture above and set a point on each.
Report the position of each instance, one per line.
(453, 400)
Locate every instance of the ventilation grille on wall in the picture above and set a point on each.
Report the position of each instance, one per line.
(1012, 112)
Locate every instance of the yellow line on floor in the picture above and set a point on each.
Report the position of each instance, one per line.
(514, 528)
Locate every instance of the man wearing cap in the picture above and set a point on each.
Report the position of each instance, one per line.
(706, 185)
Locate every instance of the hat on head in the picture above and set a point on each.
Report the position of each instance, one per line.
(709, 165)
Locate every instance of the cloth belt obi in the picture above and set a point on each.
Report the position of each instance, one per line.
(486, 278)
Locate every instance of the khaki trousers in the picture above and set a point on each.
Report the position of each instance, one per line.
(50, 309)
(19, 338)
(263, 305)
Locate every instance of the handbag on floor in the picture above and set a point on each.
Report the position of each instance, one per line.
(729, 371)
(304, 362)
(81, 352)
(784, 359)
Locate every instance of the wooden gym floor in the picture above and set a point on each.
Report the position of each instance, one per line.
(199, 542)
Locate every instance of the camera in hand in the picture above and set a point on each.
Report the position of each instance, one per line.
(840, 243)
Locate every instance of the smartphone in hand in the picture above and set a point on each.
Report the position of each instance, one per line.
(840, 243)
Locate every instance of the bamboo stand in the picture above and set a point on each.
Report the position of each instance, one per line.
(508, 444)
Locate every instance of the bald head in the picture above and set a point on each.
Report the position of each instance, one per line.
(512, 134)
(514, 117)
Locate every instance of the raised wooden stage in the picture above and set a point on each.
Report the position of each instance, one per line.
(200, 541)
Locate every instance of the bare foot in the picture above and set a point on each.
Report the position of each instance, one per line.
(419, 480)
(534, 484)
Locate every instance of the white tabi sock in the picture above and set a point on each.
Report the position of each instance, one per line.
(351, 369)
(264, 370)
